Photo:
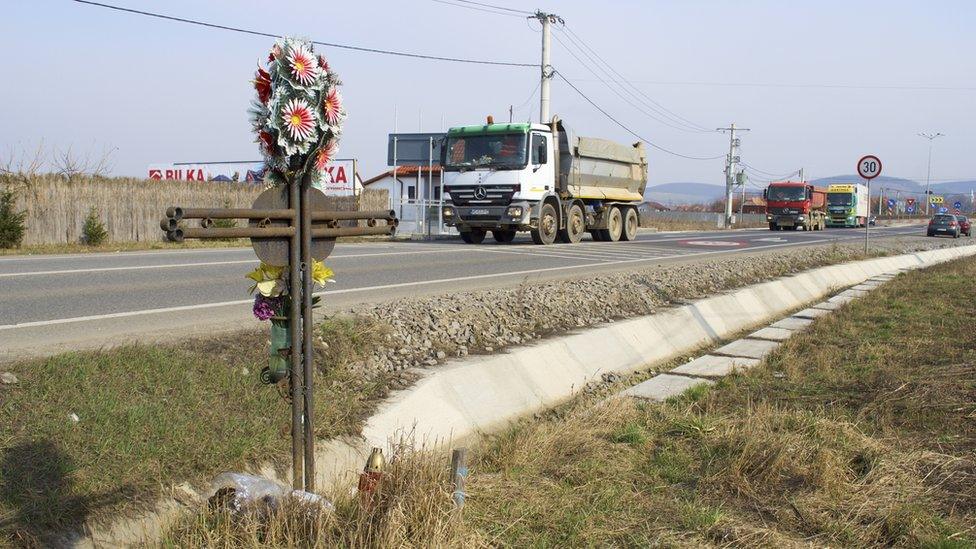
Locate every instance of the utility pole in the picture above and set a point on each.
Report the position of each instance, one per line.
(802, 179)
(731, 165)
(928, 171)
(742, 201)
(547, 19)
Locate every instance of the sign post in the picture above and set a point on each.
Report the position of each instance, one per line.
(868, 167)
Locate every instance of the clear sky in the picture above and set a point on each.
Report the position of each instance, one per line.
(799, 74)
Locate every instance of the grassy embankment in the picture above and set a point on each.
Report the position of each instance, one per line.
(859, 432)
(148, 416)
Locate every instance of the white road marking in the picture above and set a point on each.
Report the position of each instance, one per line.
(533, 253)
(109, 316)
(130, 268)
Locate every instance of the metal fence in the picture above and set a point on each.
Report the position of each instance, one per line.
(648, 218)
(423, 218)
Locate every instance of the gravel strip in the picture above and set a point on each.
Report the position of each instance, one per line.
(427, 331)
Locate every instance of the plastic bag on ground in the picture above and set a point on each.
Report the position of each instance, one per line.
(240, 491)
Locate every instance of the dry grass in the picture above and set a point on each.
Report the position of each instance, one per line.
(412, 507)
(859, 432)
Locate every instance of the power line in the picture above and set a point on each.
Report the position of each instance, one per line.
(486, 10)
(659, 107)
(532, 95)
(770, 174)
(804, 85)
(319, 43)
(628, 130)
(503, 8)
(616, 92)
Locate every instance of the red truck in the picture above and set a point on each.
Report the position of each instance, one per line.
(792, 204)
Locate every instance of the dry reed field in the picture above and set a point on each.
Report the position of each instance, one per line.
(131, 208)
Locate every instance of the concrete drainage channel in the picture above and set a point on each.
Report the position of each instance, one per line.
(484, 393)
(743, 354)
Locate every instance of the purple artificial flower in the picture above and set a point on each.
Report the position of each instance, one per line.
(265, 307)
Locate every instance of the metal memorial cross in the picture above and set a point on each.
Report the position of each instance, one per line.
(297, 117)
(288, 227)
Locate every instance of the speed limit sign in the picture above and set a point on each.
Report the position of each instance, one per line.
(869, 167)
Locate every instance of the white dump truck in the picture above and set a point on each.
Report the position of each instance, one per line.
(540, 178)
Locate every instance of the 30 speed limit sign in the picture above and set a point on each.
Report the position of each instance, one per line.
(869, 167)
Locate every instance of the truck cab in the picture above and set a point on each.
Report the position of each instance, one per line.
(847, 205)
(496, 175)
(793, 205)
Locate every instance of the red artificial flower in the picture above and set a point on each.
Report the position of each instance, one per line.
(325, 154)
(275, 52)
(298, 119)
(332, 107)
(304, 67)
(267, 140)
(262, 83)
(323, 64)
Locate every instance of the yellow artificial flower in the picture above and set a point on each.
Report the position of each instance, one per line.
(267, 279)
(320, 273)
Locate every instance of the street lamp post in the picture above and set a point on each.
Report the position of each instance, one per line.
(928, 171)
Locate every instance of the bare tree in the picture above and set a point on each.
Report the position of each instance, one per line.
(71, 166)
(102, 166)
(21, 168)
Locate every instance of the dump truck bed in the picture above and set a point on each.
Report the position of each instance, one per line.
(600, 169)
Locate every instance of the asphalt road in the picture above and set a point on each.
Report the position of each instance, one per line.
(57, 302)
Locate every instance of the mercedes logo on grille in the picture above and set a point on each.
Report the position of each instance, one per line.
(480, 193)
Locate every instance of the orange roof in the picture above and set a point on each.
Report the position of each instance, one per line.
(403, 171)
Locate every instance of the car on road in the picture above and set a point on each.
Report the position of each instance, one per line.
(965, 227)
(946, 224)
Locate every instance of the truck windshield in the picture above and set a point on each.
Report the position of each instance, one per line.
(506, 151)
(840, 199)
(780, 194)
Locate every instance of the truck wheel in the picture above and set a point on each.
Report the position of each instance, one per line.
(572, 233)
(631, 223)
(548, 226)
(474, 236)
(615, 224)
(503, 236)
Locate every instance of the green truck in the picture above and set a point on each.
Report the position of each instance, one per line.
(847, 205)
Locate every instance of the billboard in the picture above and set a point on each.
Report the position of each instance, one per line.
(209, 171)
(414, 149)
(338, 178)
